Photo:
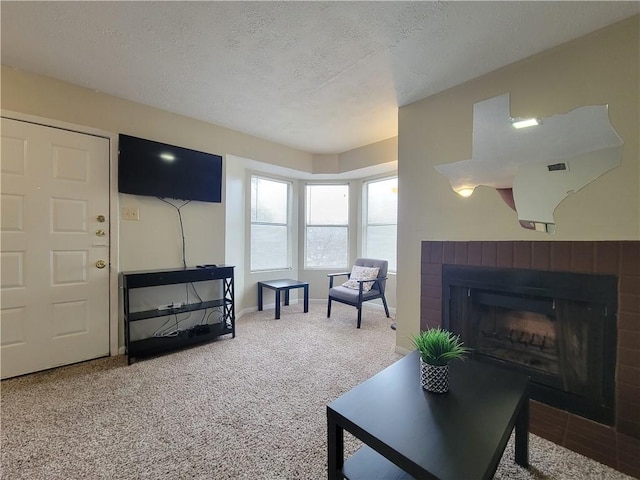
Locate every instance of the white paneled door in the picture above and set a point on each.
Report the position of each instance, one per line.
(54, 273)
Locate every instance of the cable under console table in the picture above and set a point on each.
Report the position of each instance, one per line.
(200, 333)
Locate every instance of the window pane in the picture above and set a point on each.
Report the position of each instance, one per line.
(269, 224)
(327, 204)
(381, 243)
(268, 201)
(268, 247)
(382, 201)
(327, 247)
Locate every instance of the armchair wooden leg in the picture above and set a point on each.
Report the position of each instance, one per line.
(386, 308)
(329, 308)
(359, 315)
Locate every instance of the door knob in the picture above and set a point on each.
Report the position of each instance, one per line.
(100, 233)
(101, 264)
(100, 218)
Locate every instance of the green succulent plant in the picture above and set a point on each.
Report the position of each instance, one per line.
(438, 346)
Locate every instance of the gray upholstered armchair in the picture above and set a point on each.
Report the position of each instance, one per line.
(368, 286)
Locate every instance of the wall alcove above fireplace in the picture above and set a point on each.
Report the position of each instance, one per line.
(558, 327)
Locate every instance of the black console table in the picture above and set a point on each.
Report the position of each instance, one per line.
(203, 333)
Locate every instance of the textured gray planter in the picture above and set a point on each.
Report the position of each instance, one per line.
(434, 378)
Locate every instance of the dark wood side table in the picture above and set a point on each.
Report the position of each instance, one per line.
(410, 433)
(285, 284)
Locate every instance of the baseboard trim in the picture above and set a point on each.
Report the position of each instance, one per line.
(245, 311)
(402, 350)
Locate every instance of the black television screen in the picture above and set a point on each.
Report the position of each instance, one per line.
(156, 169)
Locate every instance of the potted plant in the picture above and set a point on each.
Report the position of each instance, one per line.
(437, 347)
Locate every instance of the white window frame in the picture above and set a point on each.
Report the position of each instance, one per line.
(307, 224)
(289, 223)
(365, 217)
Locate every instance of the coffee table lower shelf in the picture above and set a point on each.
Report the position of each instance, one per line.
(366, 464)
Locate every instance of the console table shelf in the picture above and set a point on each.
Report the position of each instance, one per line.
(135, 316)
(200, 333)
(156, 345)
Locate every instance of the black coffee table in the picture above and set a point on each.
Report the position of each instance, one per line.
(410, 433)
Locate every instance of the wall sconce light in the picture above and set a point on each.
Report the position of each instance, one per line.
(465, 192)
(534, 169)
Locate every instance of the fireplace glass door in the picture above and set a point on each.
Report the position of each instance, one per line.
(566, 345)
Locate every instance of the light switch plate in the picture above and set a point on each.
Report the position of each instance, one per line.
(130, 213)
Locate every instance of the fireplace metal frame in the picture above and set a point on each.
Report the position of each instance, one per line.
(541, 284)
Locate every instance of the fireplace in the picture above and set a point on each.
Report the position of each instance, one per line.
(617, 445)
(558, 327)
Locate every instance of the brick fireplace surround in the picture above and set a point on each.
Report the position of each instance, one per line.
(619, 445)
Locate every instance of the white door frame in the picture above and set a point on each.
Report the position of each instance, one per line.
(114, 267)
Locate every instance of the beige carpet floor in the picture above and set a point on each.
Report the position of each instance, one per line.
(252, 407)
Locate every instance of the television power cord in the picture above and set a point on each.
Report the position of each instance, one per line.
(184, 255)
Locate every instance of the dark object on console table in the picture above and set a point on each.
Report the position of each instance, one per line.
(199, 334)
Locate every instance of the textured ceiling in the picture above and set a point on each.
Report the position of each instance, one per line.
(324, 77)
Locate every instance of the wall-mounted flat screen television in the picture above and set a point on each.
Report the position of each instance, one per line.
(156, 169)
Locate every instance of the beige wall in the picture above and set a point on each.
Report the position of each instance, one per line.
(378, 153)
(214, 233)
(601, 68)
(326, 163)
(49, 98)
(154, 240)
(374, 154)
